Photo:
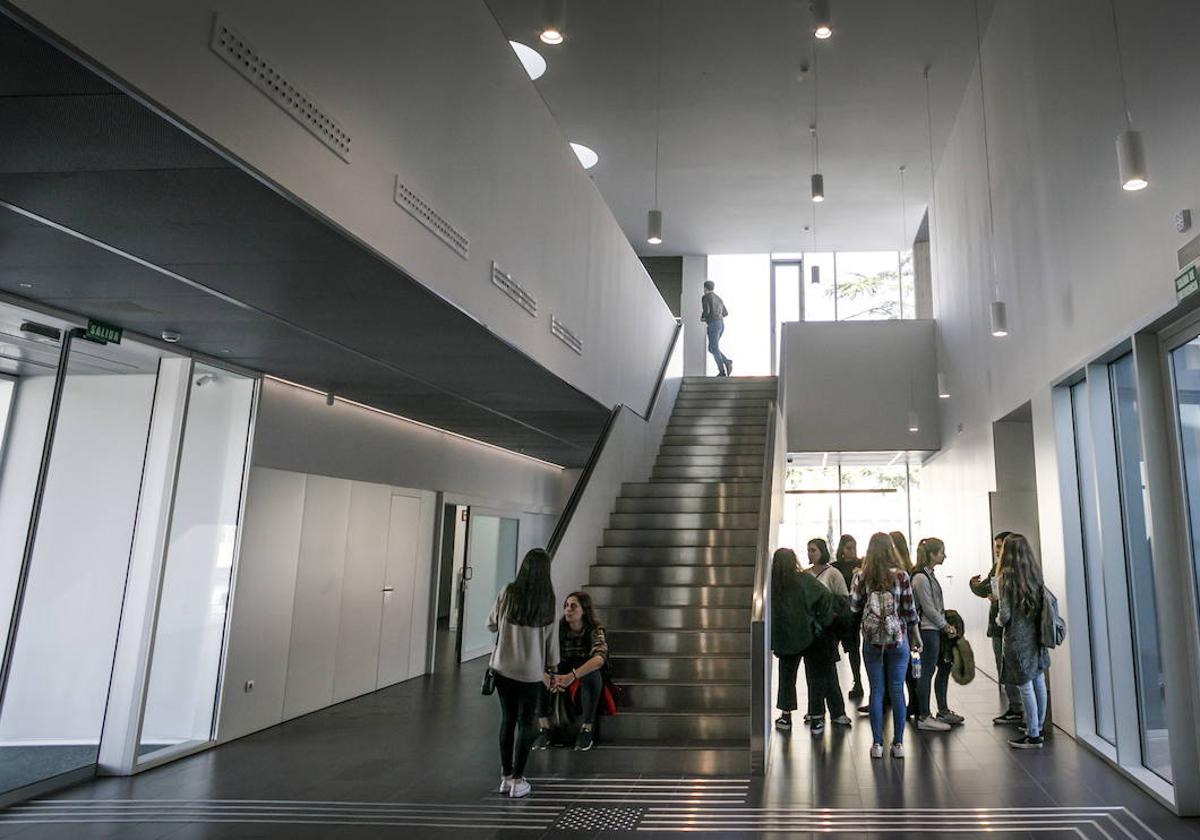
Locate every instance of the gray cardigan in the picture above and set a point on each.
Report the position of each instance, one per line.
(522, 653)
(928, 592)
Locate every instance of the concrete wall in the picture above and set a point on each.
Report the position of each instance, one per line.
(695, 339)
(1081, 263)
(429, 90)
(850, 385)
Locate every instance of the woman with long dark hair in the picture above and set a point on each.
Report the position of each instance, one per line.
(985, 587)
(526, 647)
(882, 592)
(1025, 660)
(847, 562)
(583, 646)
(801, 612)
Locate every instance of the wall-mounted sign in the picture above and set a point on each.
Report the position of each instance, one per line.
(103, 333)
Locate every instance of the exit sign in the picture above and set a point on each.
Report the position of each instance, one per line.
(103, 333)
(1187, 284)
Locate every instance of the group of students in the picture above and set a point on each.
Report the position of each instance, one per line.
(537, 659)
(888, 613)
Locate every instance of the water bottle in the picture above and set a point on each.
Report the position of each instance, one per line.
(916, 665)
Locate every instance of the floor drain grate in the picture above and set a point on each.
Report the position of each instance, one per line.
(582, 818)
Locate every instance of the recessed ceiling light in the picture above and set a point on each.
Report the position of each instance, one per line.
(26, 285)
(530, 58)
(587, 157)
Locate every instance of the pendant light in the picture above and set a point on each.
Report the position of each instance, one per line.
(818, 180)
(553, 15)
(998, 310)
(822, 22)
(942, 380)
(903, 215)
(654, 217)
(816, 268)
(914, 421)
(1131, 153)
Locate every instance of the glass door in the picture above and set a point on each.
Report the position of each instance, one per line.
(491, 564)
(78, 443)
(787, 304)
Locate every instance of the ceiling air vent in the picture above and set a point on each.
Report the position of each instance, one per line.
(565, 335)
(504, 282)
(268, 78)
(423, 212)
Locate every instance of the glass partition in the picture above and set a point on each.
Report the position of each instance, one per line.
(1185, 369)
(1148, 670)
(190, 628)
(491, 564)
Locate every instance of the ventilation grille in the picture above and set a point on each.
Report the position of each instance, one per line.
(565, 335)
(423, 212)
(265, 76)
(514, 290)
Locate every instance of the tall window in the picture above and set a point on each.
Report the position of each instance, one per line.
(830, 501)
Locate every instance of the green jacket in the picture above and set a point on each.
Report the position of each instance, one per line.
(801, 608)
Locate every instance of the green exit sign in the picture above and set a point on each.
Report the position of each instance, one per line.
(103, 333)
(1187, 284)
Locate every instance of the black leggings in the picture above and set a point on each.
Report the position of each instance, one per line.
(852, 644)
(518, 701)
(591, 687)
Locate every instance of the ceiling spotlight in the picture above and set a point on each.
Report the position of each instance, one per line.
(171, 336)
(530, 59)
(818, 187)
(1131, 161)
(943, 388)
(553, 12)
(587, 157)
(998, 314)
(654, 227)
(822, 23)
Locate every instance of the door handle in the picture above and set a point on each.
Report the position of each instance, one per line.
(468, 573)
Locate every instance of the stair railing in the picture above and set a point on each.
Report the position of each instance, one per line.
(770, 506)
(585, 475)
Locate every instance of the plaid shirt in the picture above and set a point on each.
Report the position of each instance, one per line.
(577, 648)
(901, 591)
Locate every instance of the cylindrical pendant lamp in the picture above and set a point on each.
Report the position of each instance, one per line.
(654, 227)
(1131, 161)
(818, 187)
(999, 318)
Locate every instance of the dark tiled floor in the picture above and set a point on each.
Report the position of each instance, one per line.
(418, 760)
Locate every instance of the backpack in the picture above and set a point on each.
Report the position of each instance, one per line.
(881, 625)
(1052, 630)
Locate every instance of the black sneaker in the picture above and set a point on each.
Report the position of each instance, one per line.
(1010, 717)
(542, 741)
(783, 722)
(585, 740)
(1026, 742)
(817, 725)
(728, 366)
(864, 710)
(855, 692)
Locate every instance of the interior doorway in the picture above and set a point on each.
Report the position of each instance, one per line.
(450, 562)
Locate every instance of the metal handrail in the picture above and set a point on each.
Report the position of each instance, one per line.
(585, 475)
(760, 613)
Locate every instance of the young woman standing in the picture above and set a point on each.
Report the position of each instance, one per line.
(1025, 660)
(820, 661)
(985, 587)
(847, 562)
(931, 553)
(801, 612)
(882, 592)
(526, 647)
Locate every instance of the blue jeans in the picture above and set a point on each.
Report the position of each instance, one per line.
(886, 668)
(1033, 698)
(715, 328)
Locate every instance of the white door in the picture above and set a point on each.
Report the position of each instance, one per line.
(396, 626)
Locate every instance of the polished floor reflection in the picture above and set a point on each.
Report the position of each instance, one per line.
(418, 760)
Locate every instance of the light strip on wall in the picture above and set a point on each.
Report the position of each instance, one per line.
(326, 395)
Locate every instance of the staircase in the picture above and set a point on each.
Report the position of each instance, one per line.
(673, 583)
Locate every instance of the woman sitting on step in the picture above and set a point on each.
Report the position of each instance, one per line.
(583, 648)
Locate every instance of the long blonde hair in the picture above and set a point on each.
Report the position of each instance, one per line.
(901, 543)
(926, 548)
(880, 563)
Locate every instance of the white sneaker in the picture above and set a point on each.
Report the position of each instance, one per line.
(505, 784)
(877, 751)
(933, 724)
(897, 751)
(520, 789)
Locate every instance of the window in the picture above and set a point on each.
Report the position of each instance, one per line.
(830, 501)
(1185, 370)
(868, 285)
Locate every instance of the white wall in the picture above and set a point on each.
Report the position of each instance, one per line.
(1081, 263)
(64, 653)
(695, 335)
(431, 90)
(849, 385)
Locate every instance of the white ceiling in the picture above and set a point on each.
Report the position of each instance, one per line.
(735, 153)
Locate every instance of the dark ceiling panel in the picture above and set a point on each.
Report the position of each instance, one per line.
(242, 272)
